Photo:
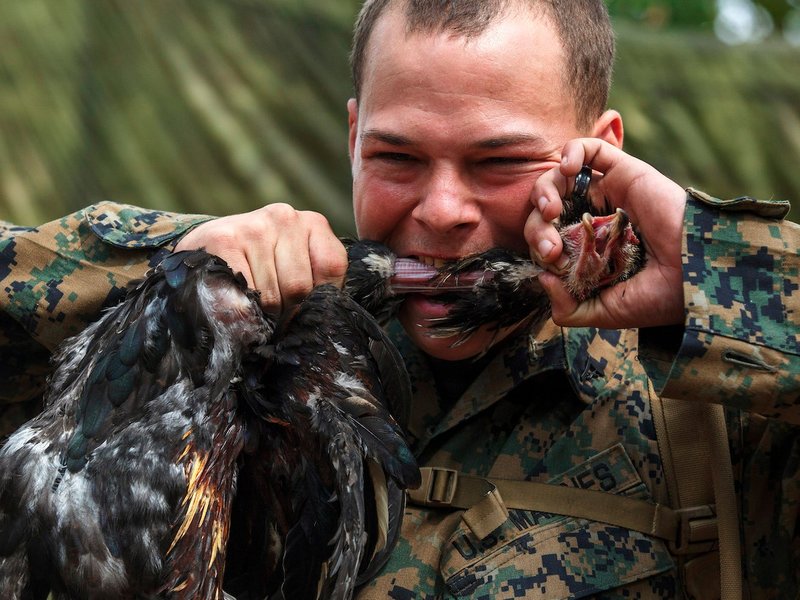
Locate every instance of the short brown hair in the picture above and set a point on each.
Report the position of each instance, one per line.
(583, 26)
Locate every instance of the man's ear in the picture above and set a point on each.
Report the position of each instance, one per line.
(609, 128)
(352, 123)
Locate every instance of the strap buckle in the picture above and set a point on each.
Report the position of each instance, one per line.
(438, 487)
(696, 530)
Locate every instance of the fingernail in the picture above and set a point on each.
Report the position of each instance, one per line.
(564, 161)
(545, 247)
(542, 203)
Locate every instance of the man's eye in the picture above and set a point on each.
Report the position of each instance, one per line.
(395, 157)
(506, 160)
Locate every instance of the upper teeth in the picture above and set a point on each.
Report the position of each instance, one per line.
(432, 262)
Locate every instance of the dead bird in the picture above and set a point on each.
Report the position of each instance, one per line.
(183, 397)
(122, 486)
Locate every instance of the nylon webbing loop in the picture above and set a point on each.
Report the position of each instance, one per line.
(487, 500)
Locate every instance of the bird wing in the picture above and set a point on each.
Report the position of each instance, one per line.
(334, 372)
(131, 463)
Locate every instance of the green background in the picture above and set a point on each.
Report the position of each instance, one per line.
(222, 106)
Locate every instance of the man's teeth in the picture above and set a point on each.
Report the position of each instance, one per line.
(432, 262)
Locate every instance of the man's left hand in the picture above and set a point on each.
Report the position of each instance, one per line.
(655, 205)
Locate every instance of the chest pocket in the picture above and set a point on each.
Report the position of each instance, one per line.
(541, 555)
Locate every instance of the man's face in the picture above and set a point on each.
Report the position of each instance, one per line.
(446, 142)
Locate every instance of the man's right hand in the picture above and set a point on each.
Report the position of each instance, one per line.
(282, 252)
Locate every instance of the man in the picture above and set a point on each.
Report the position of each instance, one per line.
(470, 121)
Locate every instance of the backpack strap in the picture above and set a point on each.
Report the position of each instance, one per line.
(487, 500)
(730, 553)
(695, 452)
(703, 516)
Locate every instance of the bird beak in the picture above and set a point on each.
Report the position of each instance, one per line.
(608, 230)
(620, 232)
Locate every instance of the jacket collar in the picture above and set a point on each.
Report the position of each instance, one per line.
(517, 359)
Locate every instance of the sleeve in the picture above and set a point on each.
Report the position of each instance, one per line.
(741, 341)
(55, 279)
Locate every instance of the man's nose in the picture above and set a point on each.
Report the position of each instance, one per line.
(446, 202)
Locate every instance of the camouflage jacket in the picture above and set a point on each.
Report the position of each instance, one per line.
(565, 406)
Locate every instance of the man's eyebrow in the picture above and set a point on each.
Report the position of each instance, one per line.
(510, 140)
(392, 139)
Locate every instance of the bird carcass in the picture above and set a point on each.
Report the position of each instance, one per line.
(123, 487)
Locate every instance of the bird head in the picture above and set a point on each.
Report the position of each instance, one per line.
(603, 250)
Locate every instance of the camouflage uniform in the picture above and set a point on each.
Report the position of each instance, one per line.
(566, 406)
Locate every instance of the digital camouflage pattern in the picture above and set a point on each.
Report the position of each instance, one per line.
(566, 406)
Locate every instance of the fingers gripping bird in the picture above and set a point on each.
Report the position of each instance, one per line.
(123, 487)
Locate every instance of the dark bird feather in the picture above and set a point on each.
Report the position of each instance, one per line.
(186, 434)
(371, 266)
(347, 462)
(122, 486)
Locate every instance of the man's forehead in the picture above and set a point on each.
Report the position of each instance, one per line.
(510, 42)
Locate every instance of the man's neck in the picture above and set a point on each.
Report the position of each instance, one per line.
(453, 377)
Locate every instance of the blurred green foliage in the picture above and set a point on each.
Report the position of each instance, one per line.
(696, 14)
(200, 106)
(779, 9)
(723, 119)
(222, 106)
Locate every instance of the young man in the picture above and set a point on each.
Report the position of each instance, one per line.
(470, 121)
